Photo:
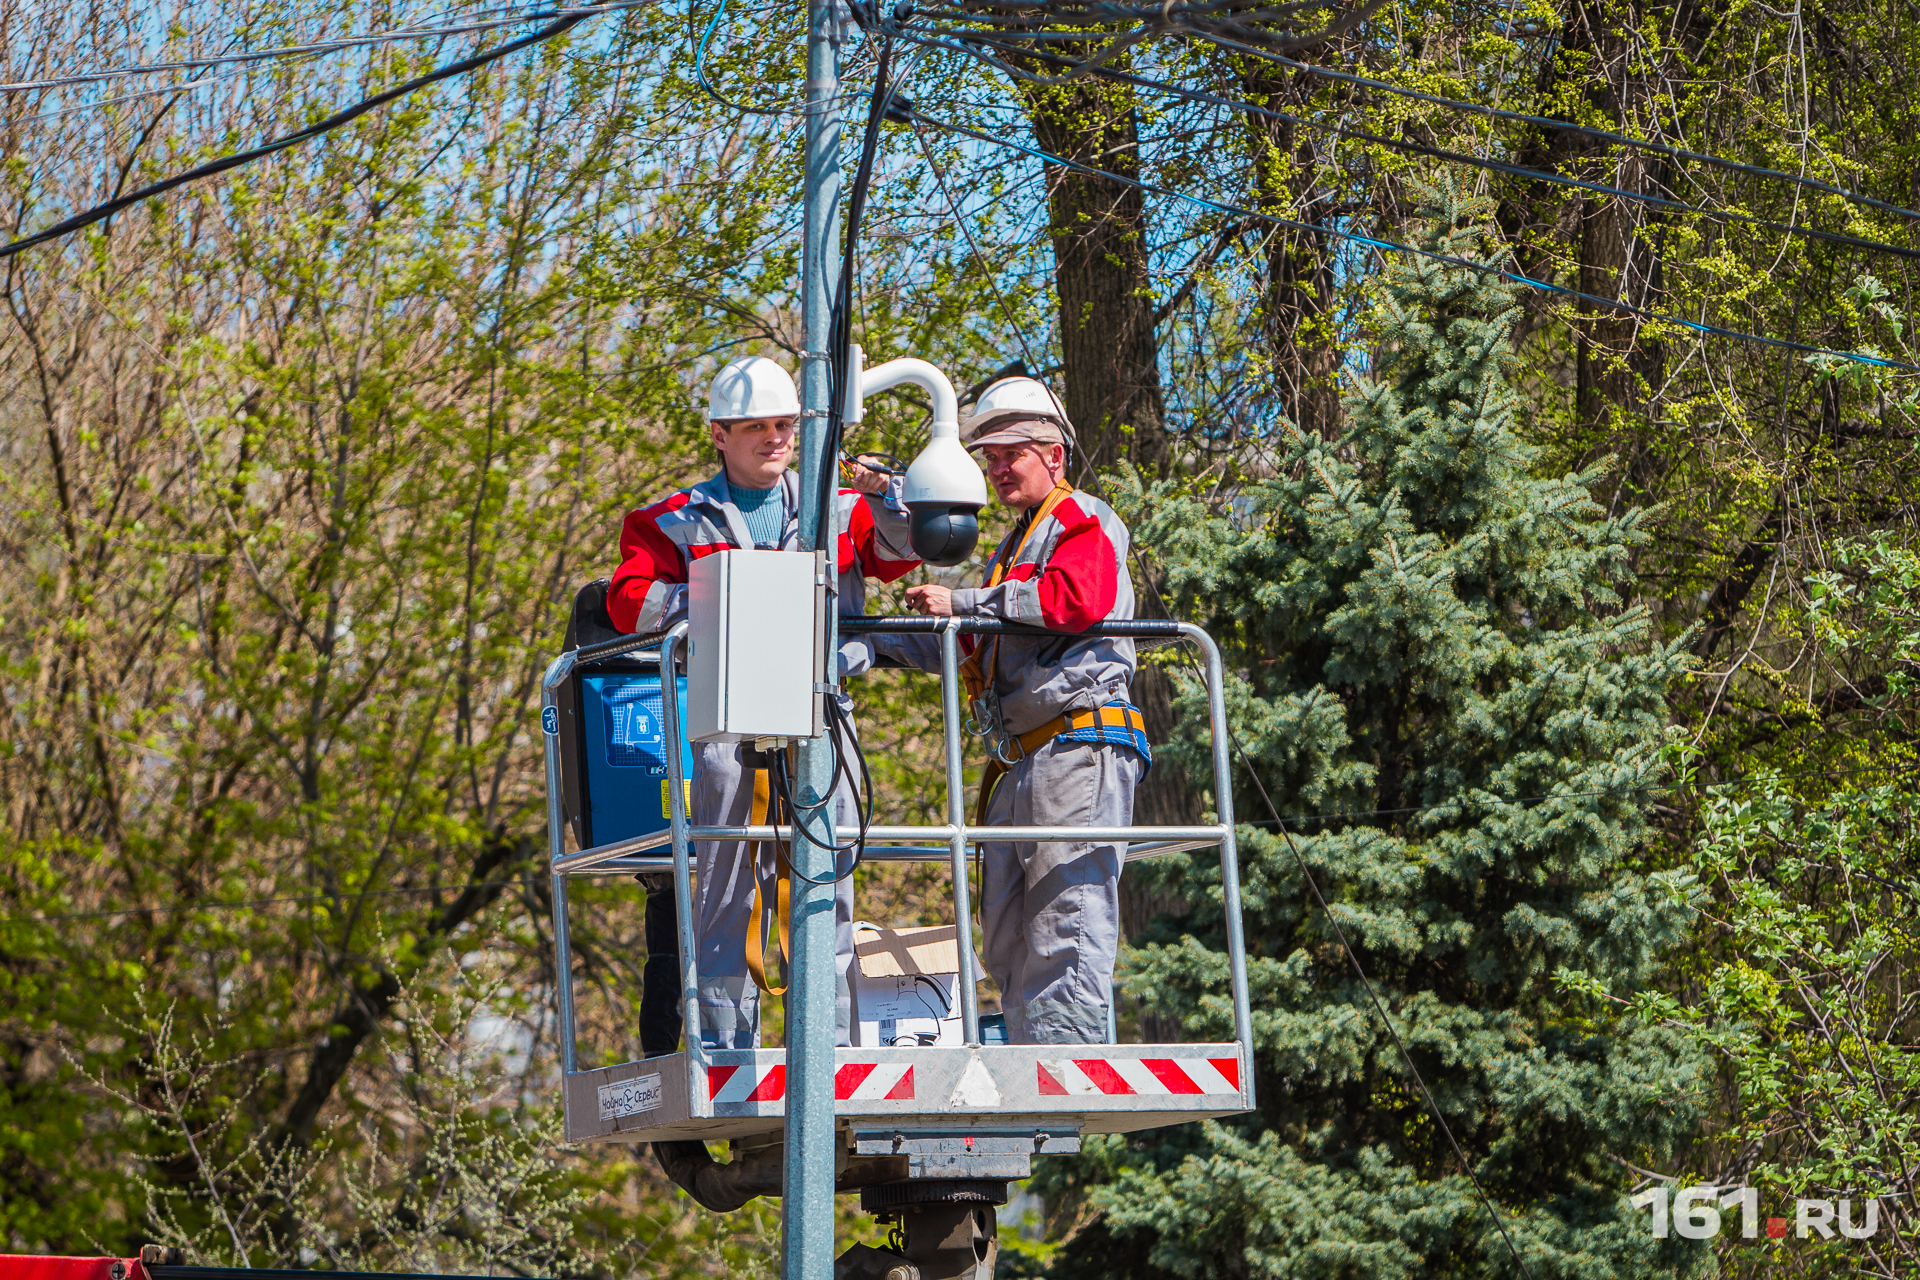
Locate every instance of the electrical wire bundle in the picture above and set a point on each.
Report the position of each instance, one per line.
(565, 20)
(786, 811)
(840, 731)
(839, 353)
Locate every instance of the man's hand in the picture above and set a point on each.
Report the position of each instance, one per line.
(933, 602)
(865, 479)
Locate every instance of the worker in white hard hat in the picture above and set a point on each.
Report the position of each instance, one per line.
(752, 502)
(1069, 747)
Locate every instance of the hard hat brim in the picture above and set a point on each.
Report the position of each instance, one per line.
(1015, 428)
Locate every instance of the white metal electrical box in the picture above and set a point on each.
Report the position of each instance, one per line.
(754, 628)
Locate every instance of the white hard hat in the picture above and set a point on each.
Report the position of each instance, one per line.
(1015, 410)
(754, 387)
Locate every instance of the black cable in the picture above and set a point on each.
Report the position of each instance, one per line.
(1022, 14)
(700, 73)
(790, 809)
(838, 712)
(101, 212)
(884, 463)
(1100, 11)
(960, 221)
(1353, 958)
(1566, 126)
(840, 321)
(1444, 154)
(1390, 246)
(1327, 910)
(1493, 113)
(318, 46)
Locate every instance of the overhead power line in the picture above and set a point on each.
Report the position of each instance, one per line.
(1182, 22)
(1280, 825)
(321, 46)
(1422, 149)
(700, 73)
(1390, 246)
(1566, 126)
(1021, 11)
(99, 103)
(101, 212)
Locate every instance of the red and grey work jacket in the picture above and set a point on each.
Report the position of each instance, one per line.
(657, 543)
(1063, 567)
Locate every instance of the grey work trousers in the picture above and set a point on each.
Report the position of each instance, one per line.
(723, 901)
(1052, 911)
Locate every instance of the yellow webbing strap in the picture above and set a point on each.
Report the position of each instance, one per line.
(989, 779)
(1116, 717)
(760, 930)
(1034, 739)
(973, 673)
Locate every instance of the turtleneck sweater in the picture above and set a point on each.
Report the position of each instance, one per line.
(763, 509)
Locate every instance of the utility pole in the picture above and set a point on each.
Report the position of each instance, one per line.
(807, 1204)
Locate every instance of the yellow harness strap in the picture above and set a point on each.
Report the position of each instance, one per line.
(989, 779)
(1032, 740)
(762, 929)
(976, 674)
(1118, 717)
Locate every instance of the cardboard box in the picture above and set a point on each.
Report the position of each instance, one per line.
(906, 986)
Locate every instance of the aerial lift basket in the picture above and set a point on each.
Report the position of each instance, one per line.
(973, 1110)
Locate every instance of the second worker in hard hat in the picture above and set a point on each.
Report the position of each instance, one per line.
(1070, 748)
(752, 502)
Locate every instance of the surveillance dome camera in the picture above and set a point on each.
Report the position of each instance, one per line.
(944, 489)
(945, 536)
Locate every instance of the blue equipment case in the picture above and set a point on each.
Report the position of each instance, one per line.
(622, 748)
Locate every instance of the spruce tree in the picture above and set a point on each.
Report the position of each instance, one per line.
(1442, 690)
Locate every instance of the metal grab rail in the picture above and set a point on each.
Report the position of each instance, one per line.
(1127, 629)
(585, 858)
(955, 833)
(646, 863)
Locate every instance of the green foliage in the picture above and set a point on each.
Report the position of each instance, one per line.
(456, 1176)
(1446, 700)
(1805, 988)
(304, 465)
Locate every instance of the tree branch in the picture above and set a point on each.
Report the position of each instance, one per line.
(368, 1004)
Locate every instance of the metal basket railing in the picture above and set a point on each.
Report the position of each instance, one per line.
(948, 841)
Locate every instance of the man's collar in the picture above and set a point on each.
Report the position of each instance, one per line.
(1026, 514)
(717, 489)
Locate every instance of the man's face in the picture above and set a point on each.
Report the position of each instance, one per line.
(1023, 474)
(756, 450)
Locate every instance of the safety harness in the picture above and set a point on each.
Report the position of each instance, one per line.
(1121, 721)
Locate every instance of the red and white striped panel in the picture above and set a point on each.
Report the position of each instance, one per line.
(1062, 1077)
(747, 1083)
(866, 1081)
(854, 1082)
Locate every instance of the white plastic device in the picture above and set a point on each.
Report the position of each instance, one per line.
(753, 632)
(944, 488)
